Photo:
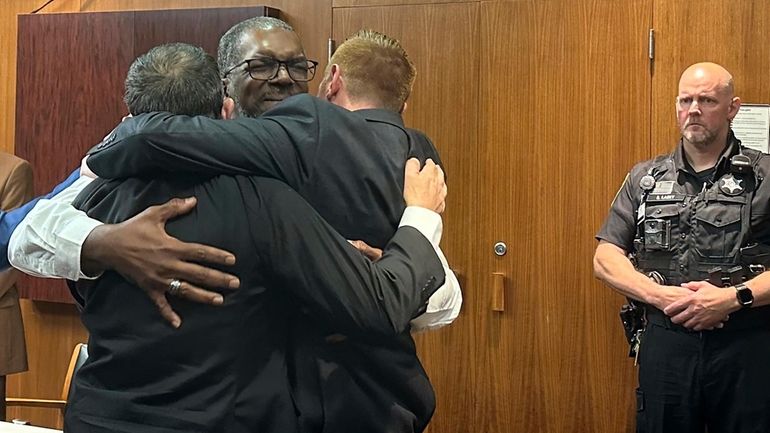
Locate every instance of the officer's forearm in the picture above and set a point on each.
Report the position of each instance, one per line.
(613, 267)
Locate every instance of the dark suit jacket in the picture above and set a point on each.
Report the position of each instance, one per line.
(349, 166)
(224, 370)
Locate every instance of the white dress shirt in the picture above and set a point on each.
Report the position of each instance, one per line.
(47, 243)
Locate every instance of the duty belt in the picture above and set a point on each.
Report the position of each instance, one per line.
(720, 276)
(752, 318)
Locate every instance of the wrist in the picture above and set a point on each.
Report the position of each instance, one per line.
(743, 297)
(94, 254)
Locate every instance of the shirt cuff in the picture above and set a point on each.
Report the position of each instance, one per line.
(72, 237)
(425, 221)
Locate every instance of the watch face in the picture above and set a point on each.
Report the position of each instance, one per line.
(745, 297)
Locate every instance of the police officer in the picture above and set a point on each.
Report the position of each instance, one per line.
(688, 236)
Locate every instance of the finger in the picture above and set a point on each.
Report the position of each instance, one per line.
(727, 317)
(202, 276)
(412, 166)
(675, 308)
(694, 285)
(682, 317)
(430, 166)
(168, 313)
(196, 294)
(174, 208)
(720, 325)
(204, 253)
(693, 324)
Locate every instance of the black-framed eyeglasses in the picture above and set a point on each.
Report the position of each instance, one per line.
(267, 68)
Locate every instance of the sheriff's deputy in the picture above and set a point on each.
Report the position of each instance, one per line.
(688, 235)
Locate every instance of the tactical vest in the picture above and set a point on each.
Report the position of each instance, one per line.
(704, 236)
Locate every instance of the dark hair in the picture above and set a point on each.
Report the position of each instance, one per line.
(178, 78)
(229, 52)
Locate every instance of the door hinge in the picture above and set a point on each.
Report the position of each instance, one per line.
(331, 47)
(651, 45)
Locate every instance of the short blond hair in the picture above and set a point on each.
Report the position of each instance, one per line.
(376, 68)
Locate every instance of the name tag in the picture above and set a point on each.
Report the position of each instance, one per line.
(665, 197)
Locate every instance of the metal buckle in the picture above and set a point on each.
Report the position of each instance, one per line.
(757, 269)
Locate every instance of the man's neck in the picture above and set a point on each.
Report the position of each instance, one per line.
(343, 100)
(353, 106)
(704, 156)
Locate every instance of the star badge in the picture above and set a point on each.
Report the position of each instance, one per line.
(731, 186)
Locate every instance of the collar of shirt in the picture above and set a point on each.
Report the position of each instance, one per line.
(722, 165)
(382, 115)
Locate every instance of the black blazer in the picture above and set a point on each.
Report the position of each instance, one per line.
(224, 370)
(349, 166)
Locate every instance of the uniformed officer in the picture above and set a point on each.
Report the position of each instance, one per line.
(688, 236)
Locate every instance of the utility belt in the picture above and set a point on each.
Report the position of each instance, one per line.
(719, 276)
(754, 259)
(750, 318)
(751, 261)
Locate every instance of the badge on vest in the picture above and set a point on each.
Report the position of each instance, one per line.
(730, 185)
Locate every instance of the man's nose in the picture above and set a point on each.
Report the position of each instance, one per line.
(694, 108)
(282, 76)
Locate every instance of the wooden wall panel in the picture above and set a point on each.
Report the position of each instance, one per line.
(444, 103)
(565, 113)
(733, 33)
(91, 77)
(8, 27)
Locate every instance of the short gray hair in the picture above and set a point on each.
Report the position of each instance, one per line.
(178, 78)
(229, 52)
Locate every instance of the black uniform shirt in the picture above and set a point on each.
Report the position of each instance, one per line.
(619, 227)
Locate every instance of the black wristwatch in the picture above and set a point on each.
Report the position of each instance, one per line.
(744, 295)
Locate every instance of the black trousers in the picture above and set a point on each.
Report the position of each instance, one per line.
(693, 382)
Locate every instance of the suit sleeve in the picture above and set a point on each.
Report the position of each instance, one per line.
(18, 190)
(281, 144)
(336, 282)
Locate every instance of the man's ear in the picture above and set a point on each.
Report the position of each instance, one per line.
(228, 109)
(335, 82)
(403, 108)
(735, 106)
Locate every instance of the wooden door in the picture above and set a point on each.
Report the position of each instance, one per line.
(565, 91)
